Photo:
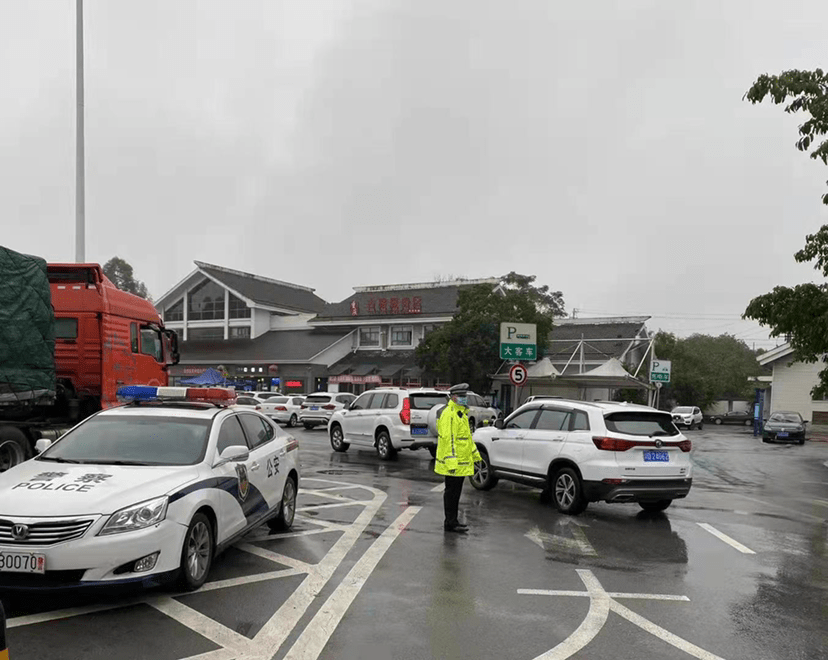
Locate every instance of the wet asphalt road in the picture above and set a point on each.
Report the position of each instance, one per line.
(737, 570)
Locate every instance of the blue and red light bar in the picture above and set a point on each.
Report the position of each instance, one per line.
(218, 395)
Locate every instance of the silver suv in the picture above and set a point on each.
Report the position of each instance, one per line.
(389, 419)
(318, 408)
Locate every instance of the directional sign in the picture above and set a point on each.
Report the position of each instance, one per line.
(660, 371)
(518, 341)
(518, 374)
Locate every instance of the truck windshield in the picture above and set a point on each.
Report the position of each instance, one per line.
(133, 440)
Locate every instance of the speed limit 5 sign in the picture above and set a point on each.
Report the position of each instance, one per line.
(518, 374)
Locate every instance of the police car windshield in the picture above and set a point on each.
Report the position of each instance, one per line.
(133, 440)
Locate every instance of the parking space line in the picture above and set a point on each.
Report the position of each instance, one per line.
(611, 594)
(327, 524)
(336, 505)
(200, 623)
(218, 654)
(302, 566)
(256, 538)
(724, 537)
(250, 579)
(68, 613)
(330, 496)
(318, 632)
(821, 502)
(331, 489)
(439, 489)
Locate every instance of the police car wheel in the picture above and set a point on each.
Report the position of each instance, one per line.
(385, 449)
(287, 509)
(197, 553)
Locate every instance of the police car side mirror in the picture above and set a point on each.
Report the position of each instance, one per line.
(234, 454)
(499, 424)
(42, 445)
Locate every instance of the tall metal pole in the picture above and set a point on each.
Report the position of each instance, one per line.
(80, 197)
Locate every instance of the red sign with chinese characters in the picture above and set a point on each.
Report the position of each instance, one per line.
(294, 383)
(391, 306)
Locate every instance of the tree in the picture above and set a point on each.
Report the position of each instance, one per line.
(467, 348)
(120, 273)
(800, 313)
(706, 369)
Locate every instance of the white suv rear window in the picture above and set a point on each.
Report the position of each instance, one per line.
(641, 423)
(427, 401)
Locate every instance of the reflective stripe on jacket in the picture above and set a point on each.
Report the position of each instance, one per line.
(456, 452)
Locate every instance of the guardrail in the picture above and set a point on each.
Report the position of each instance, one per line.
(4, 651)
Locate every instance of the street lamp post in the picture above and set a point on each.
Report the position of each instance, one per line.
(80, 199)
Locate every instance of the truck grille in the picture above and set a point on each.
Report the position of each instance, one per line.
(44, 533)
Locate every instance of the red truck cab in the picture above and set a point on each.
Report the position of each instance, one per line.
(105, 337)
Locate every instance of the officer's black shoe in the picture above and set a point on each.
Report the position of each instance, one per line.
(458, 528)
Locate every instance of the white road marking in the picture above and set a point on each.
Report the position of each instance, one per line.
(580, 543)
(68, 613)
(333, 488)
(203, 625)
(337, 505)
(821, 502)
(318, 632)
(258, 538)
(724, 537)
(439, 489)
(779, 506)
(611, 594)
(326, 524)
(326, 495)
(274, 633)
(601, 603)
(275, 557)
(218, 654)
(599, 607)
(249, 579)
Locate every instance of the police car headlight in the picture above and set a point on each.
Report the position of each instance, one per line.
(138, 516)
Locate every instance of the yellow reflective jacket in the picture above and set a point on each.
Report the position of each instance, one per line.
(456, 452)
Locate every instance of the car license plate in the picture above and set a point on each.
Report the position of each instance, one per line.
(656, 457)
(782, 434)
(314, 407)
(419, 430)
(22, 562)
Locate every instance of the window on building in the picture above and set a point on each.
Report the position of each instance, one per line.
(238, 308)
(176, 312)
(401, 335)
(242, 332)
(369, 337)
(206, 302)
(205, 333)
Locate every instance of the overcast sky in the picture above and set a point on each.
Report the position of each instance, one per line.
(602, 146)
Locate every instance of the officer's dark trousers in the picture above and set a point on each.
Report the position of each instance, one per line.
(451, 498)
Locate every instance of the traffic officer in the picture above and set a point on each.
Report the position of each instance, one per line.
(456, 453)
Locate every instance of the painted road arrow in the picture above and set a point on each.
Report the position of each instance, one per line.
(578, 542)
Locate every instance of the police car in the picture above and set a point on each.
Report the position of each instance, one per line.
(146, 492)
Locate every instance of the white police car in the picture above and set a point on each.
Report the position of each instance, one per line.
(145, 492)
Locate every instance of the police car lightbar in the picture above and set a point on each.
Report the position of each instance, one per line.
(217, 395)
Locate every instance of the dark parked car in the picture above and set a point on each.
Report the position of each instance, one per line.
(784, 426)
(734, 417)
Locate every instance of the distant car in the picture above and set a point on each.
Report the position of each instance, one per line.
(284, 409)
(784, 426)
(734, 417)
(318, 408)
(389, 419)
(688, 416)
(248, 402)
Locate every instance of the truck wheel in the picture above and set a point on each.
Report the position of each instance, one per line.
(14, 447)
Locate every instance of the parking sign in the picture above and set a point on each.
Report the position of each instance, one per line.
(660, 371)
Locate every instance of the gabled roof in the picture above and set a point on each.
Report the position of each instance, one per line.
(265, 291)
(254, 289)
(273, 346)
(567, 334)
(431, 299)
(775, 354)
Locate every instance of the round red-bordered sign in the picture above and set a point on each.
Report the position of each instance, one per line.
(518, 375)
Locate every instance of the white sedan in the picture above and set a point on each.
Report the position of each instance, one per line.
(146, 492)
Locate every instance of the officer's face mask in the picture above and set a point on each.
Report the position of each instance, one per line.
(463, 401)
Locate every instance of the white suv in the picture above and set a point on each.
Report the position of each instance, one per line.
(389, 419)
(582, 452)
(689, 416)
(318, 408)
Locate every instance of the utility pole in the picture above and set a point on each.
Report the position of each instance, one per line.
(80, 198)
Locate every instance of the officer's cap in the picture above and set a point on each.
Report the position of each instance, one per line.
(459, 390)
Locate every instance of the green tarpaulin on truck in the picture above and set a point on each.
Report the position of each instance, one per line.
(27, 326)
